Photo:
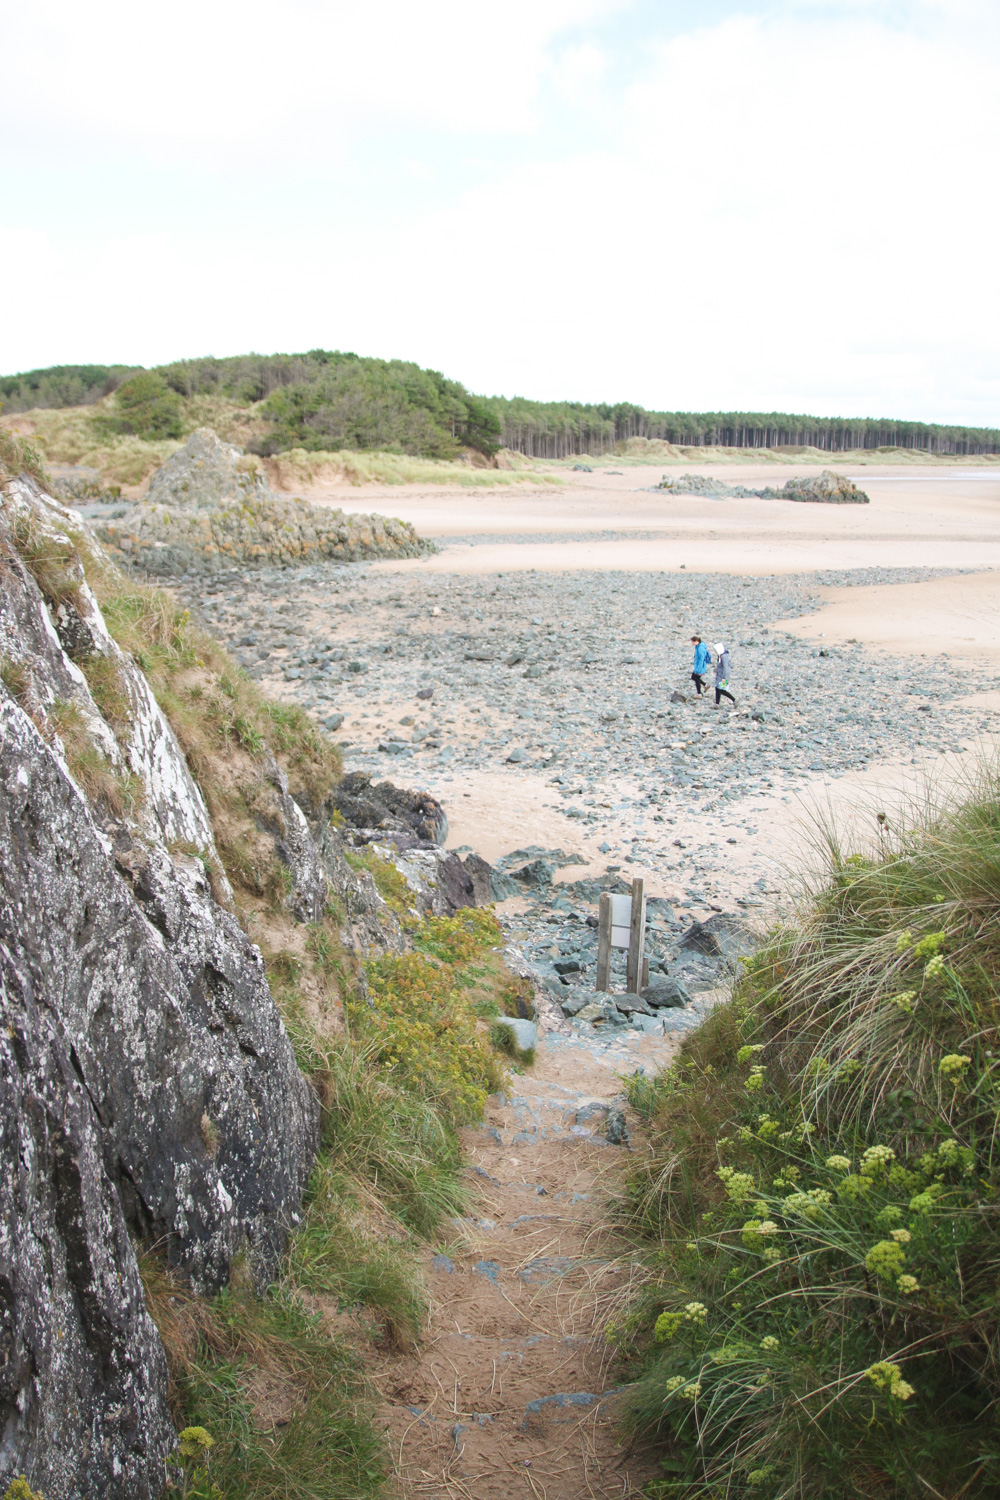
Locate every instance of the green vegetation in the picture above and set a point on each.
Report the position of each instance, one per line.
(326, 403)
(147, 407)
(61, 385)
(560, 429)
(418, 1019)
(821, 1194)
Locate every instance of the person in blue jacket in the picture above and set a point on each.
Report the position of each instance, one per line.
(702, 657)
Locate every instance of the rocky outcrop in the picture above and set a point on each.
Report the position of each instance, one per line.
(383, 808)
(825, 488)
(83, 1381)
(149, 1088)
(210, 508)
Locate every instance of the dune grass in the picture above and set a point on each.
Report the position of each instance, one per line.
(297, 467)
(821, 1192)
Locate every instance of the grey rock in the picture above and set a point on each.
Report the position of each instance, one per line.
(616, 1130)
(525, 1033)
(388, 808)
(83, 1368)
(207, 473)
(538, 872)
(722, 936)
(632, 1004)
(666, 994)
(334, 722)
(154, 1090)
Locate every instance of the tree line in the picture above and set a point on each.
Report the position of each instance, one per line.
(554, 429)
(331, 399)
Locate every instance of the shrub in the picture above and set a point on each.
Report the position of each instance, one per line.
(148, 408)
(824, 1181)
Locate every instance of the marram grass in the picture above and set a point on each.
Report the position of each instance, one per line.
(821, 1194)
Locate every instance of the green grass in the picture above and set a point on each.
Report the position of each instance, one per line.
(284, 1400)
(820, 1200)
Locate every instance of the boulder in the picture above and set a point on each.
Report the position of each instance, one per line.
(663, 994)
(209, 508)
(721, 936)
(826, 488)
(524, 1033)
(386, 808)
(207, 473)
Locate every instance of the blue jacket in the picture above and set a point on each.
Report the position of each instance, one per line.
(702, 657)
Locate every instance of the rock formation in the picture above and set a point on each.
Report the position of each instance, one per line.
(826, 488)
(150, 1092)
(210, 507)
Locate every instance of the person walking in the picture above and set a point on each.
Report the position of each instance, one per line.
(700, 664)
(723, 668)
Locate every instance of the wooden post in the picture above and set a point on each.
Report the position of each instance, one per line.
(645, 972)
(637, 939)
(604, 942)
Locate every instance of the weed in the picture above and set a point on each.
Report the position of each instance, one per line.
(283, 1399)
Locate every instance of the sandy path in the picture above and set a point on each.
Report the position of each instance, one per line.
(508, 1393)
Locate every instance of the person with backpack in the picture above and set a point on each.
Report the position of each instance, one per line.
(723, 669)
(701, 661)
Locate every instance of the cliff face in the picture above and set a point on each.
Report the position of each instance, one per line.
(149, 1088)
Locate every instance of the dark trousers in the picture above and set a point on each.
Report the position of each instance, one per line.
(722, 692)
(699, 681)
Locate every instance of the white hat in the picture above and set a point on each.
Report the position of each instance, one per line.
(719, 648)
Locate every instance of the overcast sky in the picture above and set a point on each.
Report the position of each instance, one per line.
(691, 204)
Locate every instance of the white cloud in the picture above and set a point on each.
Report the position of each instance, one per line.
(295, 79)
(795, 212)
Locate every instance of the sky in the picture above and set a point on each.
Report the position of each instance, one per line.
(693, 206)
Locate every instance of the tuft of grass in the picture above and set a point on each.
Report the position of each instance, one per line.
(52, 560)
(283, 1398)
(18, 455)
(504, 1040)
(109, 692)
(822, 1191)
(16, 679)
(114, 788)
